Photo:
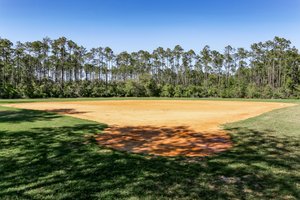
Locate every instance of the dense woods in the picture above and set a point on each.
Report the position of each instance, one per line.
(62, 68)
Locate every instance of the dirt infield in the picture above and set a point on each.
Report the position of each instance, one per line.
(161, 127)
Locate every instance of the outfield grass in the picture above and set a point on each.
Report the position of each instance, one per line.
(49, 156)
(6, 101)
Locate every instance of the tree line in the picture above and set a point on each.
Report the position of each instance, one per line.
(62, 68)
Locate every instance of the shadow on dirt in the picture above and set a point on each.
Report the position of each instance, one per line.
(66, 111)
(164, 141)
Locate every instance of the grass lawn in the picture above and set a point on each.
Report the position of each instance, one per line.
(6, 101)
(49, 156)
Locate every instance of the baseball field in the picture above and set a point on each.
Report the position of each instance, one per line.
(149, 149)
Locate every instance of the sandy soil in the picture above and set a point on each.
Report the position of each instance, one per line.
(161, 127)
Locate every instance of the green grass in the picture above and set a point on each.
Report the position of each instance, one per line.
(49, 156)
(6, 101)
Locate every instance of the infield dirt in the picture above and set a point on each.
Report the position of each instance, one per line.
(161, 127)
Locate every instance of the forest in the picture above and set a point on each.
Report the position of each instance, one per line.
(61, 68)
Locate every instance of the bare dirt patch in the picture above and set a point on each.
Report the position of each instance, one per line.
(161, 127)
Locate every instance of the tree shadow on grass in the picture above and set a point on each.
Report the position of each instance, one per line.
(18, 116)
(60, 163)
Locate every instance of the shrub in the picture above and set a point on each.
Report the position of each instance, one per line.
(167, 91)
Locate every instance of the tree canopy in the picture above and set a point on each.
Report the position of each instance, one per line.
(62, 68)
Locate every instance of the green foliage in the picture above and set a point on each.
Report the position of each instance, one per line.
(267, 92)
(178, 91)
(252, 91)
(240, 91)
(190, 91)
(150, 86)
(98, 91)
(9, 91)
(61, 68)
(167, 91)
(134, 89)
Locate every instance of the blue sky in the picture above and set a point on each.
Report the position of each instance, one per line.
(146, 24)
